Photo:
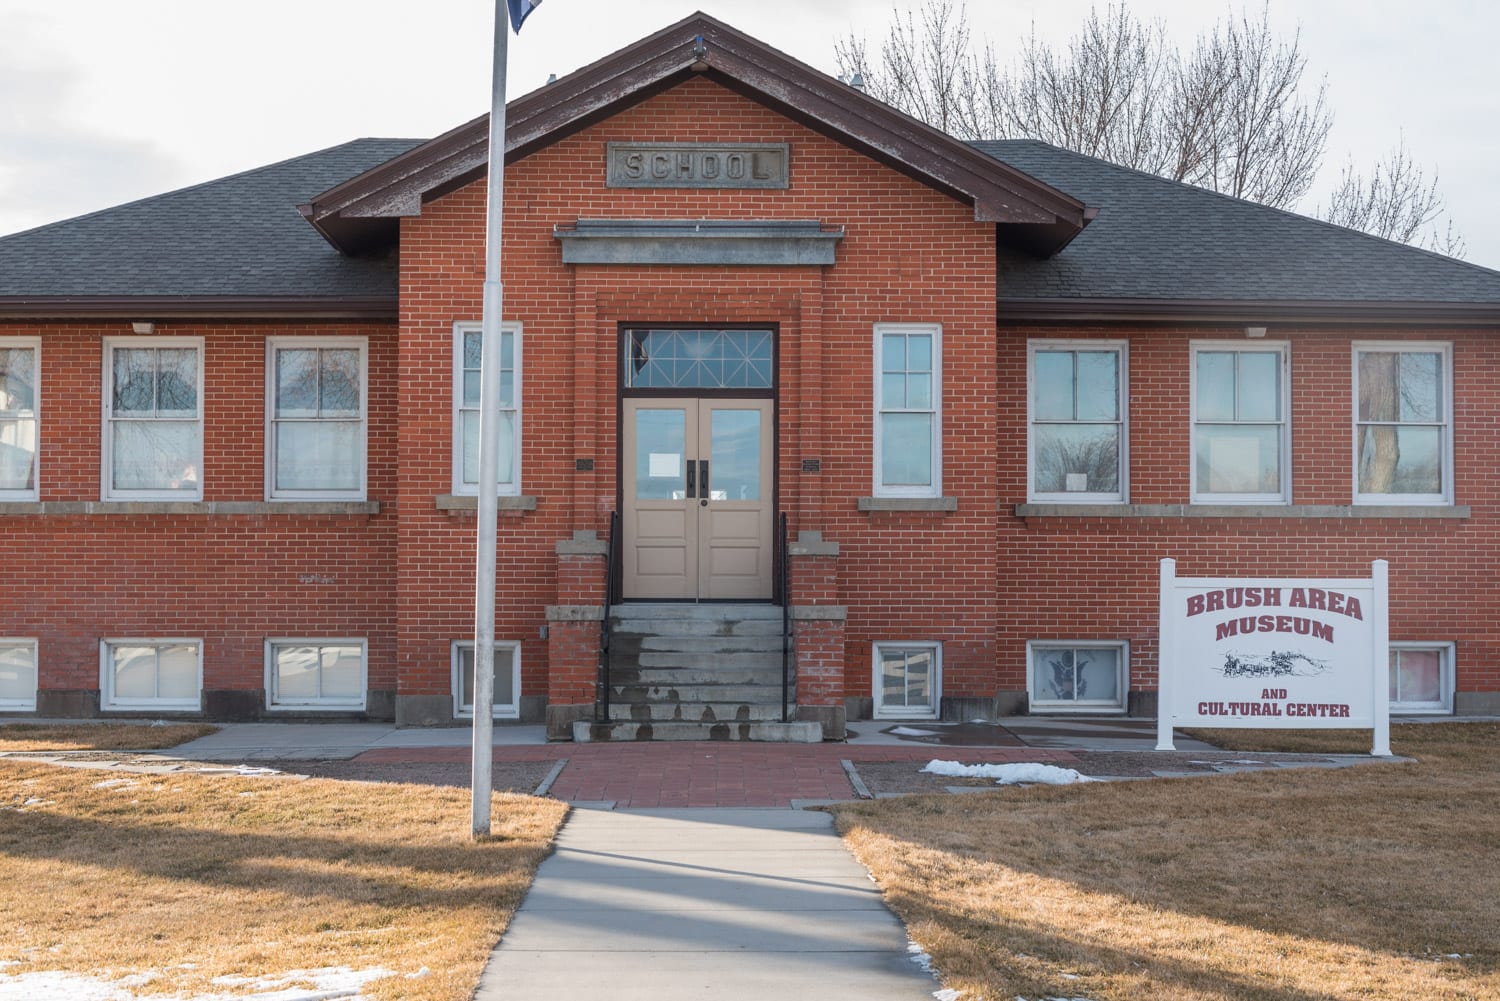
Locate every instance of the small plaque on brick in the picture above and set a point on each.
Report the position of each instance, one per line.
(698, 165)
(812, 465)
(583, 465)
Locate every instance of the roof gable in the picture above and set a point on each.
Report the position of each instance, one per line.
(1031, 215)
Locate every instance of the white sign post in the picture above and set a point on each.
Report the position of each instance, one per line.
(1293, 654)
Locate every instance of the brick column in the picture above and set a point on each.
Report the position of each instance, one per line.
(573, 632)
(818, 630)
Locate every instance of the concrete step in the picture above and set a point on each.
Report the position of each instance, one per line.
(623, 675)
(696, 712)
(700, 611)
(643, 694)
(699, 628)
(585, 731)
(767, 643)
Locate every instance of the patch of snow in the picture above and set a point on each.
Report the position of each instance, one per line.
(329, 982)
(906, 731)
(918, 955)
(1010, 774)
(423, 972)
(946, 994)
(115, 784)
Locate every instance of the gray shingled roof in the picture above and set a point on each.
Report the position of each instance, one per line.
(1161, 239)
(237, 236)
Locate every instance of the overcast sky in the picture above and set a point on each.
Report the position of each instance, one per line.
(102, 102)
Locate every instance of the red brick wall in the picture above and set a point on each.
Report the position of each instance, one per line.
(1096, 578)
(909, 254)
(230, 580)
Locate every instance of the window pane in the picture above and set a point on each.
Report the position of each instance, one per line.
(321, 455)
(1421, 387)
(339, 385)
(1052, 674)
(734, 454)
(893, 391)
(1239, 459)
(699, 359)
(296, 672)
(155, 455)
(1098, 385)
(17, 453)
(296, 382)
(661, 443)
(473, 350)
(177, 672)
(17, 673)
(893, 353)
(177, 382)
(1416, 676)
(134, 380)
(471, 388)
(894, 677)
(342, 673)
(1400, 460)
(1053, 387)
(1077, 458)
(1379, 391)
(919, 391)
(1260, 386)
(503, 695)
(919, 352)
(135, 671)
(17, 380)
(1098, 674)
(1215, 397)
(906, 450)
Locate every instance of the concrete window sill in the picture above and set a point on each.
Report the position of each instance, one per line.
(908, 504)
(463, 502)
(209, 508)
(1455, 512)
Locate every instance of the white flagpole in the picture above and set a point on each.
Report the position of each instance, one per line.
(489, 453)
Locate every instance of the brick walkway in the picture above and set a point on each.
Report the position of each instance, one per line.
(677, 774)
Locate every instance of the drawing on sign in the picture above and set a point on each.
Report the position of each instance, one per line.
(1276, 664)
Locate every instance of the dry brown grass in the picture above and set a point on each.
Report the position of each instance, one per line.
(1289, 885)
(98, 736)
(257, 876)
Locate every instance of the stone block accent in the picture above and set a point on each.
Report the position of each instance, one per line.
(424, 710)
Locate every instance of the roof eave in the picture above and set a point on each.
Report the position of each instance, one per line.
(1248, 311)
(148, 307)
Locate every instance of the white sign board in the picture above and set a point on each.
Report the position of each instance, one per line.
(1298, 653)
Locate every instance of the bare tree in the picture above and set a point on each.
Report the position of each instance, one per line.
(1234, 113)
(1396, 202)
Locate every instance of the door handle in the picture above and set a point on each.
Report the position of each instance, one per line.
(703, 481)
(692, 479)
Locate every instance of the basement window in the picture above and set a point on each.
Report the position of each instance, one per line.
(1422, 678)
(507, 680)
(1077, 675)
(151, 674)
(315, 674)
(18, 675)
(908, 680)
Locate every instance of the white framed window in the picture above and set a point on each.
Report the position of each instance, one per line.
(315, 674)
(1422, 678)
(507, 680)
(1241, 423)
(18, 675)
(316, 417)
(1077, 674)
(151, 674)
(908, 680)
(468, 351)
(1403, 422)
(1077, 433)
(153, 418)
(20, 416)
(908, 410)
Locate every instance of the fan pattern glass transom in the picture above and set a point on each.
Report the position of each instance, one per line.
(699, 359)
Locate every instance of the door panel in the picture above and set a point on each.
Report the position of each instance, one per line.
(698, 501)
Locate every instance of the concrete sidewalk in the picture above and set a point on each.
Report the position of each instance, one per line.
(655, 905)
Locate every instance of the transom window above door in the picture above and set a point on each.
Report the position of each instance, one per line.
(699, 359)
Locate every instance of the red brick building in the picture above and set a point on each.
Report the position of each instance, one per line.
(987, 387)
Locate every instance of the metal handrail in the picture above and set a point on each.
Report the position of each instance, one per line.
(611, 561)
(783, 546)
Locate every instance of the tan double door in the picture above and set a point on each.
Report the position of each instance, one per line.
(697, 498)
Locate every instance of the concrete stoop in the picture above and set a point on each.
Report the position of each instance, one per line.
(696, 672)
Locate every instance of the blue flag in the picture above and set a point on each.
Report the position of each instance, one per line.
(520, 10)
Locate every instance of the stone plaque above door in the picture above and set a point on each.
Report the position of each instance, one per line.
(698, 165)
